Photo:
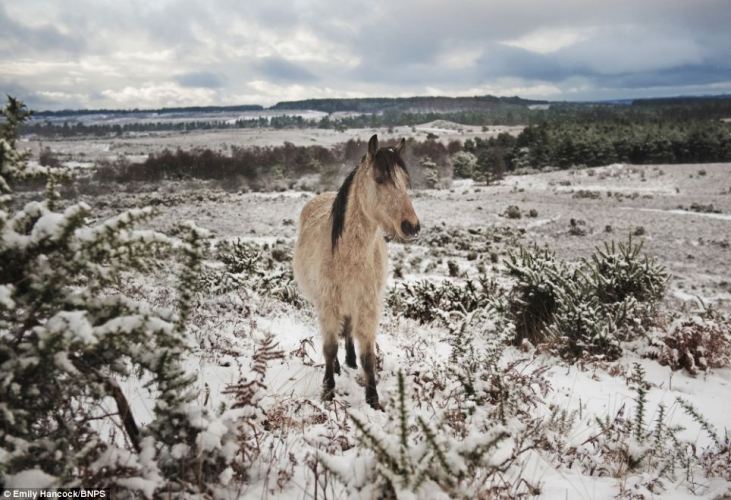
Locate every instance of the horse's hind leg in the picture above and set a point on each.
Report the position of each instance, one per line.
(350, 358)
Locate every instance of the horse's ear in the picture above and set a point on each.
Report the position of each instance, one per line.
(373, 146)
(401, 146)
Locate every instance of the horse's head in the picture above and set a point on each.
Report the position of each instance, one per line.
(387, 194)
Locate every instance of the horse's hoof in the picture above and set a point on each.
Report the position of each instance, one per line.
(328, 394)
(336, 368)
(351, 363)
(375, 405)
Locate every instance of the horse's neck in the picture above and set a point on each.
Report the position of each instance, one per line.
(360, 229)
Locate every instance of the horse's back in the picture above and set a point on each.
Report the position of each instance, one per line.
(313, 242)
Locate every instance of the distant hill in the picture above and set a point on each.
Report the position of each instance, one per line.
(719, 105)
(413, 104)
(160, 111)
(681, 100)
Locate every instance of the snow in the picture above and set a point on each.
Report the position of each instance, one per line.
(73, 323)
(687, 212)
(48, 226)
(226, 329)
(6, 292)
(146, 486)
(30, 478)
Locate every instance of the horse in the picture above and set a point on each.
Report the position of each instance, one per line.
(340, 259)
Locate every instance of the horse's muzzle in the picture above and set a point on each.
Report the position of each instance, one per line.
(410, 230)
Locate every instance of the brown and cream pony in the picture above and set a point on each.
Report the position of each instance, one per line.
(341, 258)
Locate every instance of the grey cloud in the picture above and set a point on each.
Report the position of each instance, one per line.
(281, 70)
(202, 79)
(18, 38)
(626, 46)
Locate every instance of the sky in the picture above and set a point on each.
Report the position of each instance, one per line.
(149, 54)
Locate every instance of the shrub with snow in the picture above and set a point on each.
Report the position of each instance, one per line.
(619, 272)
(693, 344)
(69, 333)
(253, 266)
(587, 310)
(533, 300)
(427, 301)
(455, 434)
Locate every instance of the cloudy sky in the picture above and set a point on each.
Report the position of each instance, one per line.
(120, 54)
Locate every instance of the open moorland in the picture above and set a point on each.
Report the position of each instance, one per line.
(558, 334)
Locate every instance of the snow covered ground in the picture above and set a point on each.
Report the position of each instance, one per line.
(84, 149)
(226, 327)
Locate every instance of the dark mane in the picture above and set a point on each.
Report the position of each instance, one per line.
(339, 206)
(386, 161)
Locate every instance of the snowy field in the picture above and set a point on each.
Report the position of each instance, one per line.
(87, 149)
(466, 412)
(576, 457)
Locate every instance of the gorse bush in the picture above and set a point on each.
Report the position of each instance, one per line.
(589, 309)
(69, 334)
(413, 455)
(619, 271)
(639, 445)
(427, 301)
(533, 300)
(248, 265)
(580, 326)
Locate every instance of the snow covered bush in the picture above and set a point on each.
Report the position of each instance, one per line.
(533, 301)
(619, 275)
(430, 172)
(580, 326)
(416, 455)
(586, 309)
(496, 392)
(464, 163)
(457, 429)
(693, 344)
(427, 301)
(249, 265)
(69, 333)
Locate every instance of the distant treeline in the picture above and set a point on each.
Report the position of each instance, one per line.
(548, 144)
(566, 144)
(503, 112)
(431, 163)
(80, 129)
(158, 111)
(262, 167)
(369, 105)
(503, 115)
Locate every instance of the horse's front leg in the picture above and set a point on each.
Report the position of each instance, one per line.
(368, 360)
(329, 333)
(347, 334)
(365, 332)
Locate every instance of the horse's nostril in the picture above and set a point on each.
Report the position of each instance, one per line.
(409, 229)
